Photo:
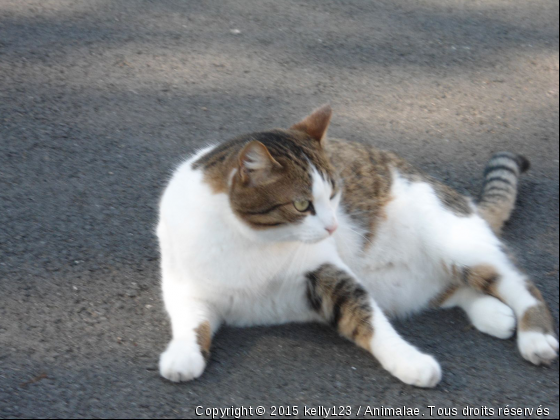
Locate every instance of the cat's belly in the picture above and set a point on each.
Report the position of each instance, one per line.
(402, 279)
(402, 266)
(401, 289)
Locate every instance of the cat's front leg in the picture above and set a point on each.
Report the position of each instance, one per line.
(342, 301)
(193, 325)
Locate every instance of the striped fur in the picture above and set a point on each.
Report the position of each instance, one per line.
(343, 302)
(499, 192)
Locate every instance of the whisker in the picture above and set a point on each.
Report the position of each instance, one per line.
(363, 236)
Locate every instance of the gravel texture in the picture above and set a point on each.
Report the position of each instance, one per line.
(100, 100)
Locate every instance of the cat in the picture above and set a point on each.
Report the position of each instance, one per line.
(289, 226)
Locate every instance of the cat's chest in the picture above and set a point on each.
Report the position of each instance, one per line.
(222, 260)
(226, 262)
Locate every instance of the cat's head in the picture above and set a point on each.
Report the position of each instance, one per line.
(284, 187)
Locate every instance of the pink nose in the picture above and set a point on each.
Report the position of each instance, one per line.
(331, 229)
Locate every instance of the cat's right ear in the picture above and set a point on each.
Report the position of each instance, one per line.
(316, 124)
(256, 164)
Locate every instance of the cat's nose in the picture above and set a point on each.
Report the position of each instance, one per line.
(331, 229)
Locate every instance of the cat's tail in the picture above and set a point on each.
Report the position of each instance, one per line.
(499, 192)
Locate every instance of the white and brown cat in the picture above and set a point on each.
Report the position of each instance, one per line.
(287, 226)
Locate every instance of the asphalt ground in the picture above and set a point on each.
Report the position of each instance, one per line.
(100, 100)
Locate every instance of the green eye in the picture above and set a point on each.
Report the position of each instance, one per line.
(302, 205)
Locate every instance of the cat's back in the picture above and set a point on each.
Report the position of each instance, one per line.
(365, 168)
(343, 152)
(372, 177)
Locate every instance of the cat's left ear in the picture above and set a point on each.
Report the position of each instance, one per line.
(316, 124)
(256, 164)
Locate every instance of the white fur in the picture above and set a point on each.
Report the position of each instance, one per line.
(399, 357)
(216, 268)
(486, 313)
(182, 361)
(537, 348)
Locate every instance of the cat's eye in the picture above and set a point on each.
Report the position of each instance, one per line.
(302, 205)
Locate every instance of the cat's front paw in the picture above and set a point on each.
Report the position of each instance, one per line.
(418, 369)
(182, 361)
(537, 348)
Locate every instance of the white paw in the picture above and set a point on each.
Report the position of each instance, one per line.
(182, 361)
(492, 317)
(415, 368)
(537, 348)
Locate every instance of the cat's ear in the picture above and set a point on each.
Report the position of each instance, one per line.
(316, 124)
(256, 164)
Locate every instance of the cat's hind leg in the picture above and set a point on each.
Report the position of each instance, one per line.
(495, 274)
(486, 313)
(337, 296)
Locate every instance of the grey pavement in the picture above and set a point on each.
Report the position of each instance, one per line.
(100, 100)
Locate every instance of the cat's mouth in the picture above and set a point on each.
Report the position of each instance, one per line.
(316, 239)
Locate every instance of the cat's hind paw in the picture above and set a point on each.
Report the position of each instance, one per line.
(538, 348)
(182, 361)
(493, 317)
(417, 369)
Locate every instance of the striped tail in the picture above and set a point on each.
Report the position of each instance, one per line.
(499, 193)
